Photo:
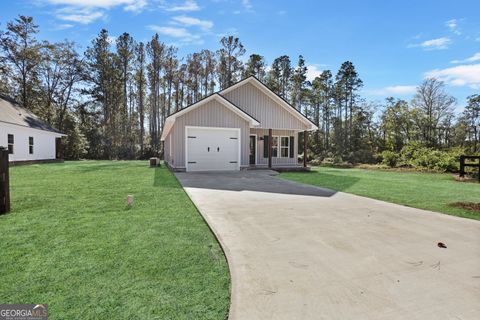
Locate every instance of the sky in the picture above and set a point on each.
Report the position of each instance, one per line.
(394, 45)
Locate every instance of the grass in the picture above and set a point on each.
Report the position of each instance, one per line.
(430, 191)
(71, 241)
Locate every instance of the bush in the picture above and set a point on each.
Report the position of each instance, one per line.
(431, 159)
(315, 162)
(390, 158)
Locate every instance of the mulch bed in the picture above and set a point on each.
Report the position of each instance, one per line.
(472, 206)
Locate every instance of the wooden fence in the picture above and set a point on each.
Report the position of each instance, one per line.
(464, 164)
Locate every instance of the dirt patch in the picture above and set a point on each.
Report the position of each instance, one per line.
(466, 178)
(472, 206)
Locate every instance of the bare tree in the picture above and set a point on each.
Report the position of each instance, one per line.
(432, 105)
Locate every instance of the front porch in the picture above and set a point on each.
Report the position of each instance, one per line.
(276, 149)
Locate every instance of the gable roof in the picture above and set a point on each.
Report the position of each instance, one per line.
(169, 122)
(282, 102)
(12, 113)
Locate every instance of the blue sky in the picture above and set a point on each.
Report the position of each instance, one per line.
(393, 44)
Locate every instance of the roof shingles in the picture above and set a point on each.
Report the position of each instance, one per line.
(11, 112)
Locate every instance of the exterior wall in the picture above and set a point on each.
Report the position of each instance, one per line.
(276, 161)
(263, 108)
(212, 114)
(43, 142)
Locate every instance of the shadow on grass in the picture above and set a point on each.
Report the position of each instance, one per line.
(321, 179)
(163, 178)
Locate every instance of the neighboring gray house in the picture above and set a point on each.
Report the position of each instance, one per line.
(244, 125)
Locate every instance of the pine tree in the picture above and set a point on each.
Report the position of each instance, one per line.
(255, 66)
(141, 91)
(299, 84)
(20, 53)
(229, 67)
(347, 83)
(279, 77)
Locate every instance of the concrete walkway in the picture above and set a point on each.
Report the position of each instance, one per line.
(301, 252)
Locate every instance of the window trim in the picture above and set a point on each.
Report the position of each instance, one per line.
(279, 146)
(274, 147)
(11, 144)
(285, 147)
(31, 145)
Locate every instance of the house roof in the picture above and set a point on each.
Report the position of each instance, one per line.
(11, 112)
(169, 122)
(282, 102)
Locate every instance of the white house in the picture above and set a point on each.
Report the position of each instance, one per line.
(26, 136)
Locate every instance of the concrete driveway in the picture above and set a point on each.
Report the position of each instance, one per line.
(301, 252)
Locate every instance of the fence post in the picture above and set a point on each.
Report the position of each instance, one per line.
(478, 169)
(4, 182)
(462, 166)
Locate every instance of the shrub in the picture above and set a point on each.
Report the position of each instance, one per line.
(431, 159)
(315, 162)
(390, 158)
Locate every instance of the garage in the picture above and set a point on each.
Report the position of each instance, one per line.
(212, 149)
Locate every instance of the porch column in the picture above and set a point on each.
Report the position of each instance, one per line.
(270, 148)
(305, 137)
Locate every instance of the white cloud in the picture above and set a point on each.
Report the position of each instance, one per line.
(393, 90)
(105, 4)
(474, 58)
(433, 44)
(88, 11)
(439, 43)
(83, 16)
(181, 34)
(313, 71)
(111, 39)
(190, 21)
(247, 5)
(453, 26)
(136, 6)
(63, 26)
(463, 75)
(188, 5)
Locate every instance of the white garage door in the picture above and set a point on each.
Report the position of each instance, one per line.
(211, 149)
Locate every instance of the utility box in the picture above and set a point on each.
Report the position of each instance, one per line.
(4, 182)
(154, 162)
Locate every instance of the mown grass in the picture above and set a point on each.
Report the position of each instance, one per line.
(430, 191)
(71, 241)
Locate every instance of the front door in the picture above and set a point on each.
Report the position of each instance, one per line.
(253, 149)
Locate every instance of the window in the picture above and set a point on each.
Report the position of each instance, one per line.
(11, 141)
(274, 147)
(284, 147)
(30, 145)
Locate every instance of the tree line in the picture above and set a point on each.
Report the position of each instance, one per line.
(112, 100)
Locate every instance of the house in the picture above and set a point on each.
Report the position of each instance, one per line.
(27, 138)
(244, 125)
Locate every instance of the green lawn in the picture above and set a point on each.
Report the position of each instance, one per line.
(71, 241)
(420, 190)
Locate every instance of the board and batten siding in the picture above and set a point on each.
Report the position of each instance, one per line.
(263, 108)
(276, 160)
(212, 114)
